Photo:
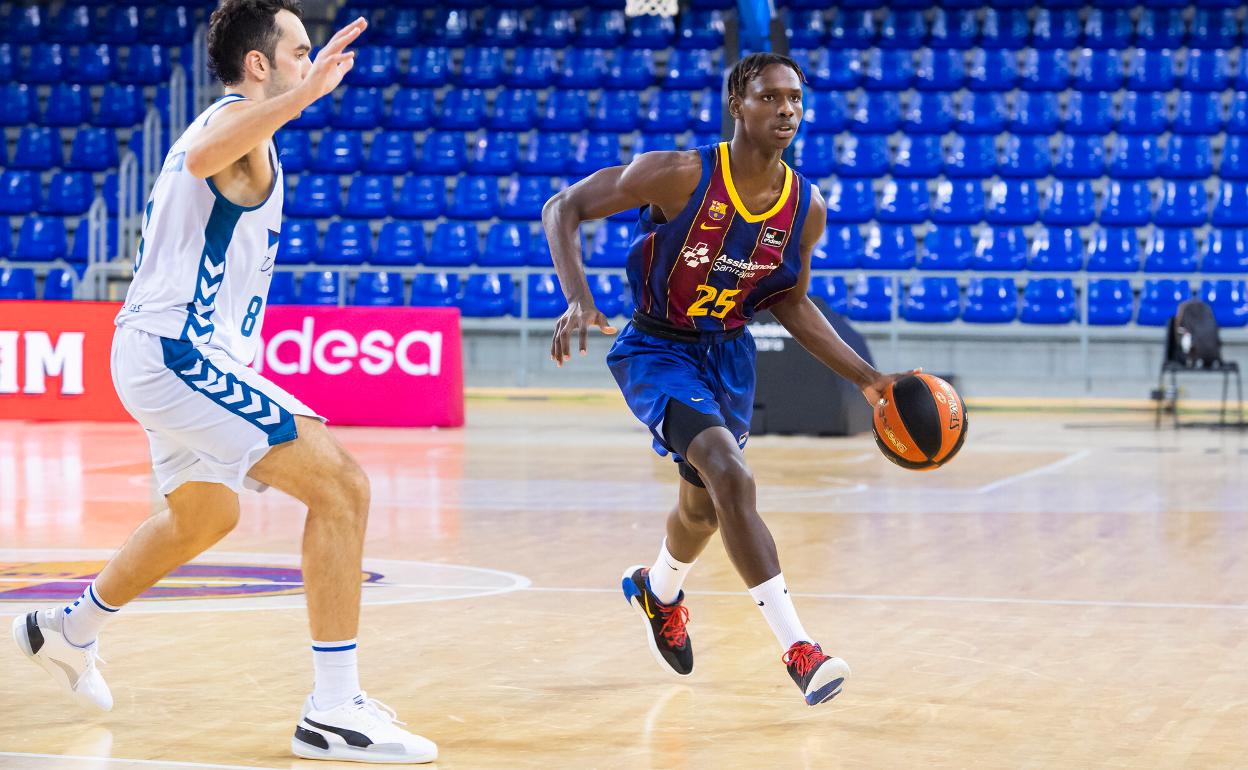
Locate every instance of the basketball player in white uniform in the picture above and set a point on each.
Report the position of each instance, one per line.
(180, 359)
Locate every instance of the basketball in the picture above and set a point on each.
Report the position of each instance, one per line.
(922, 423)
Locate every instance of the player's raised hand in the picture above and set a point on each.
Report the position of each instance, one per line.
(577, 318)
(874, 392)
(333, 61)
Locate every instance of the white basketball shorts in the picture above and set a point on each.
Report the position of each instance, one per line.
(207, 417)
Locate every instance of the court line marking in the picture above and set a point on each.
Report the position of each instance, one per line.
(157, 762)
(1043, 470)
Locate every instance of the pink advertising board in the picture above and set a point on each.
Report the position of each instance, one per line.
(385, 366)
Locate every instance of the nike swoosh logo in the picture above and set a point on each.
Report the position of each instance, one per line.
(697, 399)
(702, 226)
(70, 673)
(760, 604)
(645, 601)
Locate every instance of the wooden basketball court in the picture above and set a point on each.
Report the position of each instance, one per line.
(1069, 592)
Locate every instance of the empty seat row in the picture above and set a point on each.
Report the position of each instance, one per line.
(80, 23)
(987, 69)
(937, 112)
(89, 64)
(41, 147)
(1049, 249)
(71, 105)
(19, 283)
(960, 26)
(420, 197)
(1111, 302)
(44, 239)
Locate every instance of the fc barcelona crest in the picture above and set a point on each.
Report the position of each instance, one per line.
(717, 210)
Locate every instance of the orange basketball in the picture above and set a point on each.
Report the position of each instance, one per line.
(922, 424)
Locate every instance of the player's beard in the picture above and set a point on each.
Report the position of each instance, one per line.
(277, 85)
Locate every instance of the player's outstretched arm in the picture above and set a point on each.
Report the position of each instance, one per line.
(237, 129)
(811, 329)
(663, 179)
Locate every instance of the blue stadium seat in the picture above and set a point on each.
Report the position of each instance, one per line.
(1098, 70)
(400, 243)
(20, 193)
(525, 197)
(837, 69)
(833, 290)
(455, 244)
(1056, 29)
(453, 27)
(615, 111)
(1225, 251)
(1197, 112)
(1206, 70)
(932, 300)
(420, 197)
(1134, 157)
(462, 109)
(905, 29)
(825, 112)
(435, 290)
(17, 283)
(903, 201)
(375, 66)
(120, 106)
(708, 112)
(564, 111)
(369, 197)
(1007, 28)
(852, 29)
(487, 295)
(948, 247)
(430, 67)
(815, 155)
(1013, 201)
(863, 156)
(545, 296)
(539, 251)
(146, 65)
(1024, 157)
(1150, 70)
(392, 152)
(1187, 157)
(1170, 250)
(877, 112)
(805, 28)
(121, 26)
(68, 105)
(495, 153)
(45, 65)
(501, 27)
(1215, 28)
(991, 300)
(917, 156)
(993, 70)
(971, 156)
(58, 285)
(1143, 113)
(1234, 163)
(956, 29)
(1182, 204)
(929, 112)
(315, 195)
(1056, 249)
(1237, 114)
(71, 24)
(1035, 113)
(1229, 300)
(94, 149)
(583, 68)
(1230, 204)
(1089, 113)
(939, 70)
(1110, 302)
(360, 108)
(611, 246)
(41, 239)
(1114, 250)
(90, 65)
(378, 290)
(1108, 28)
(482, 67)
(1045, 70)
(444, 152)
(547, 153)
(1160, 27)
(602, 29)
(347, 242)
(1126, 203)
(69, 193)
(982, 113)
(633, 71)
(81, 251)
(38, 148)
(1068, 202)
(595, 151)
(1160, 301)
(611, 294)
(339, 152)
(320, 287)
(300, 244)
(668, 111)
(650, 32)
(888, 69)
(475, 197)
(515, 109)
(1000, 248)
(958, 201)
(294, 150)
(850, 200)
(842, 246)
(1049, 301)
(872, 299)
(315, 115)
(401, 28)
(691, 69)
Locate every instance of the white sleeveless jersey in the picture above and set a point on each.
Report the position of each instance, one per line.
(204, 263)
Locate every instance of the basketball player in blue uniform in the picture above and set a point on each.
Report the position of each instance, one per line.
(180, 363)
(725, 230)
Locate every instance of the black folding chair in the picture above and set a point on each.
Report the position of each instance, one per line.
(1193, 346)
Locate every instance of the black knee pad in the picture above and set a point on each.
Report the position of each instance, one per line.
(690, 474)
(682, 424)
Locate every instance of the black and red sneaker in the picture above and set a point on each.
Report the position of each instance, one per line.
(818, 676)
(665, 623)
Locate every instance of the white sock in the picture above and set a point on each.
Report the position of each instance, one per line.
(774, 602)
(82, 620)
(337, 673)
(668, 575)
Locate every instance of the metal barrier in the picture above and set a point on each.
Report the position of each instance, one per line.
(94, 282)
(199, 68)
(152, 156)
(127, 191)
(177, 101)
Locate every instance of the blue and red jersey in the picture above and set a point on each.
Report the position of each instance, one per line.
(716, 263)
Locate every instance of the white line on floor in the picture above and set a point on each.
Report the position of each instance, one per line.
(1041, 471)
(155, 762)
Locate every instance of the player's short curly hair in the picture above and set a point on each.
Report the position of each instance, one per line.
(238, 27)
(752, 66)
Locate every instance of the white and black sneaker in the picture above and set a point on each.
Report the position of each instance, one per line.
(359, 730)
(40, 637)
